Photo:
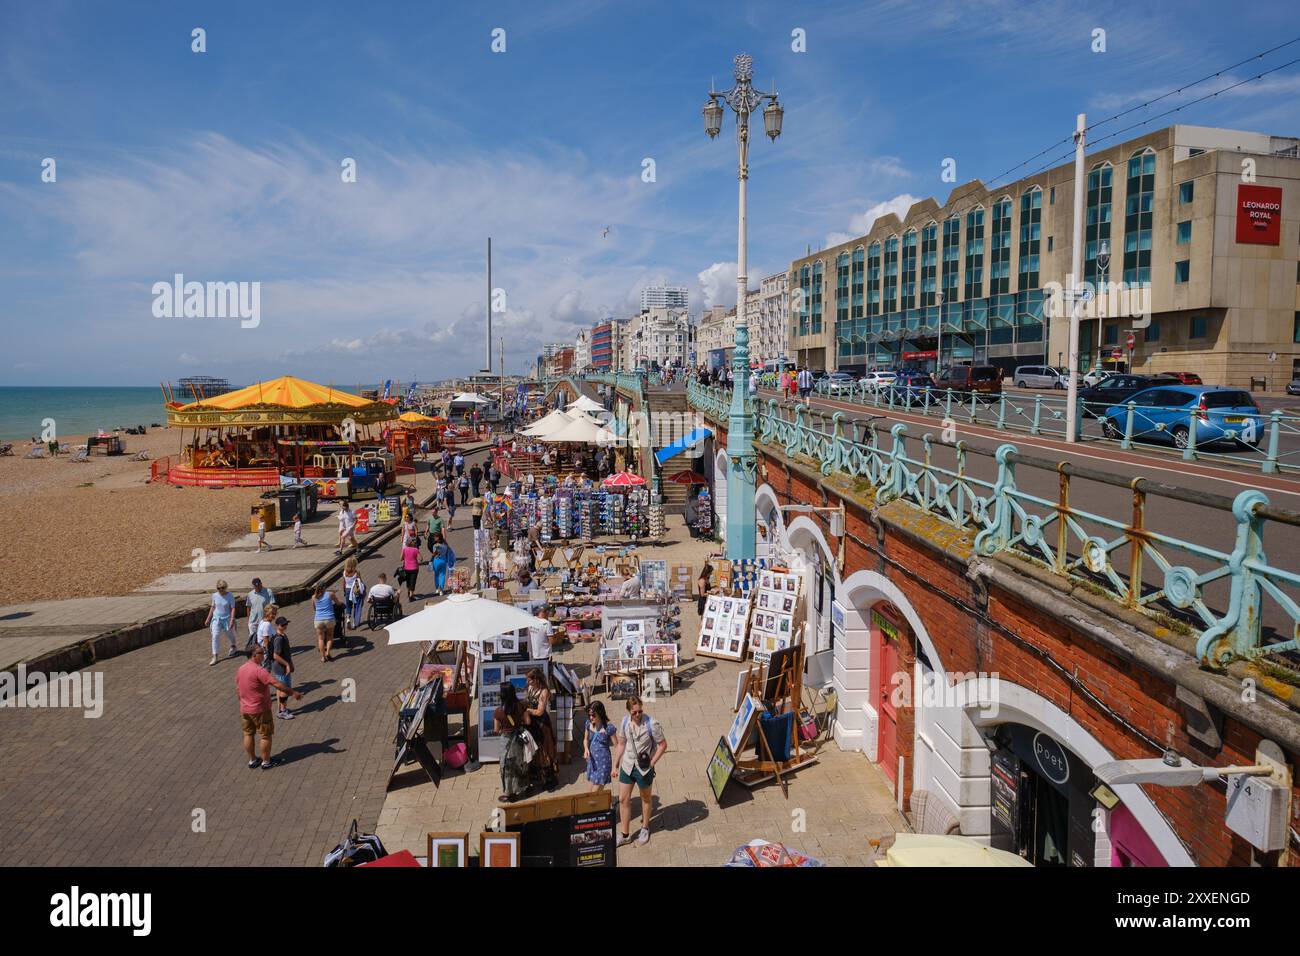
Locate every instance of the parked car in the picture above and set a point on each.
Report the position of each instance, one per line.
(1039, 376)
(1184, 378)
(1165, 412)
(874, 381)
(981, 379)
(839, 383)
(1293, 387)
(1110, 391)
(910, 387)
(1093, 378)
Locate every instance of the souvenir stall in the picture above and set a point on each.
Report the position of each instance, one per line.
(574, 508)
(639, 650)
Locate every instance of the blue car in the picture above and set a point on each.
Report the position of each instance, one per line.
(1165, 412)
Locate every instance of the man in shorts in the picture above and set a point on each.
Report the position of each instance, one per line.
(253, 684)
(281, 661)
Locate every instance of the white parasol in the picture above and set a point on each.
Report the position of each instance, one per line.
(462, 617)
(584, 404)
(583, 431)
(555, 420)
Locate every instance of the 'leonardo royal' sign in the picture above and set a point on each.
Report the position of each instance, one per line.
(1259, 214)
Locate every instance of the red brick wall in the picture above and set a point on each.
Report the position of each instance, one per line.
(969, 639)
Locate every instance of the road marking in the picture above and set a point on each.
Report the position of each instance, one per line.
(1263, 482)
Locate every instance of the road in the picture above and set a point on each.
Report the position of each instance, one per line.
(1193, 523)
(160, 778)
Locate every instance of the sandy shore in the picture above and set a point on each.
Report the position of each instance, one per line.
(99, 527)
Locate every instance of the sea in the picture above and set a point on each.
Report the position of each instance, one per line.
(76, 410)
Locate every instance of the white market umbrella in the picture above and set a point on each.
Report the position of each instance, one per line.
(470, 398)
(583, 431)
(555, 420)
(930, 849)
(462, 617)
(584, 404)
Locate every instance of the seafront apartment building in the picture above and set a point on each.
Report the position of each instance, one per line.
(1208, 220)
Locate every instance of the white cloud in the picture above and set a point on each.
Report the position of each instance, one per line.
(860, 223)
(889, 167)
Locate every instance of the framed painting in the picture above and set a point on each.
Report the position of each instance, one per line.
(661, 656)
(498, 850)
(721, 764)
(448, 850)
(743, 724)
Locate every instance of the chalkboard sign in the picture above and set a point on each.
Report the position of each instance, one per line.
(1005, 800)
(721, 764)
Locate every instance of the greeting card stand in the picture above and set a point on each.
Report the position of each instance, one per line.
(786, 687)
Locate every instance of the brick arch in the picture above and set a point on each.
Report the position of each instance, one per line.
(1016, 704)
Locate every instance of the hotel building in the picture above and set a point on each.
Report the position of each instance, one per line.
(1206, 220)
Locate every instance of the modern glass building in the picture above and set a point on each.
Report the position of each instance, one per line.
(1200, 224)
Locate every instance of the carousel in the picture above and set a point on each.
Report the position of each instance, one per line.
(285, 427)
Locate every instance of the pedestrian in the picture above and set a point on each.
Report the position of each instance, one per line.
(805, 381)
(297, 531)
(476, 507)
(597, 748)
(475, 478)
(753, 385)
(323, 603)
(261, 534)
(255, 601)
(493, 477)
(702, 587)
(537, 705)
(435, 527)
(638, 747)
(460, 464)
(508, 722)
(253, 683)
(281, 660)
(463, 484)
(424, 449)
(221, 618)
(410, 568)
(440, 494)
(347, 528)
(266, 628)
(438, 565)
(409, 530)
(354, 593)
(451, 508)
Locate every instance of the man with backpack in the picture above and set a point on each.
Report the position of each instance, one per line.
(639, 744)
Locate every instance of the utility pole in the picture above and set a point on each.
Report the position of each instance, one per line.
(1076, 267)
(487, 341)
(501, 399)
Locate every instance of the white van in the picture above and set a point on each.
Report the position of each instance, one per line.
(1038, 376)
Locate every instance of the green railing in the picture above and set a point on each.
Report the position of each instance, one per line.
(1231, 599)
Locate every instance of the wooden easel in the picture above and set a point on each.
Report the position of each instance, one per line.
(789, 691)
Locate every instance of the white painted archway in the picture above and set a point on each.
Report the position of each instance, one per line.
(767, 514)
(721, 472)
(1013, 703)
(804, 539)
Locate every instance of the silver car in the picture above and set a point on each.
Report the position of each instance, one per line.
(1038, 376)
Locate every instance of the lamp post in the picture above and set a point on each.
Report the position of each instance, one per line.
(1103, 266)
(743, 100)
(938, 348)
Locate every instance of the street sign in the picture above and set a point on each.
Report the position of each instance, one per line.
(1116, 353)
(1132, 340)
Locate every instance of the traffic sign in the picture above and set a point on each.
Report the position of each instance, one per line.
(1116, 353)
(1132, 340)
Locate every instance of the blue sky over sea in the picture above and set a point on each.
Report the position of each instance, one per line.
(225, 165)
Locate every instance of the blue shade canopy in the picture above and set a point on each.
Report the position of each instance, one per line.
(677, 447)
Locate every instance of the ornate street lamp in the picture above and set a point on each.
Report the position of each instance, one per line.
(743, 100)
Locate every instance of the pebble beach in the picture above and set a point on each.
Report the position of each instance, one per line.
(99, 527)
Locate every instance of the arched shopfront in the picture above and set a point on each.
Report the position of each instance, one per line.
(721, 472)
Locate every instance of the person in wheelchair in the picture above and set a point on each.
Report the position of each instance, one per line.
(385, 604)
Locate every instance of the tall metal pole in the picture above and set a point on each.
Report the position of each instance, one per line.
(487, 341)
(1076, 268)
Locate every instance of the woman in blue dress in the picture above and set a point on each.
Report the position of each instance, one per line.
(596, 745)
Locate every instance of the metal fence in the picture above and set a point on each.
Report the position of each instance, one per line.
(1272, 449)
(1237, 603)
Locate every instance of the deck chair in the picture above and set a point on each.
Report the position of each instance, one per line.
(6, 448)
(36, 451)
(80, 455)
(140, 456)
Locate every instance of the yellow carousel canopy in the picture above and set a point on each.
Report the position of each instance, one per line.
(282, 401)
(415, 418)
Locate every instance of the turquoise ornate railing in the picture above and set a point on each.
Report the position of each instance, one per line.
(1137, 566)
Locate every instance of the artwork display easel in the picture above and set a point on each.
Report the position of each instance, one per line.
(723, 627)
(783, 680)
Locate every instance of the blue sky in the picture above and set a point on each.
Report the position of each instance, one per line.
(225, 166)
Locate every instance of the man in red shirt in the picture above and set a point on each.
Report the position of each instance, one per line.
(253, 685)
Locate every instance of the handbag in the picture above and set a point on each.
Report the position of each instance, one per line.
(529, 745)
(807, 726)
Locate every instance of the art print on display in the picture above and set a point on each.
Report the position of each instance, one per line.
(783, 624)
(742, 725)
(708, 623)
(448, 850)
(657, 682)
(631, 628)
(787, 605)
(507, 644)
(762, 599)
(493, 674)
(791, 583)
(661, 656)
(498, 850)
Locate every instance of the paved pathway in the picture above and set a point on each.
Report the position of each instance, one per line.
(126, 789)
(841, 802)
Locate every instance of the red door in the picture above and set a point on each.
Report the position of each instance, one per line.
(884, 636)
